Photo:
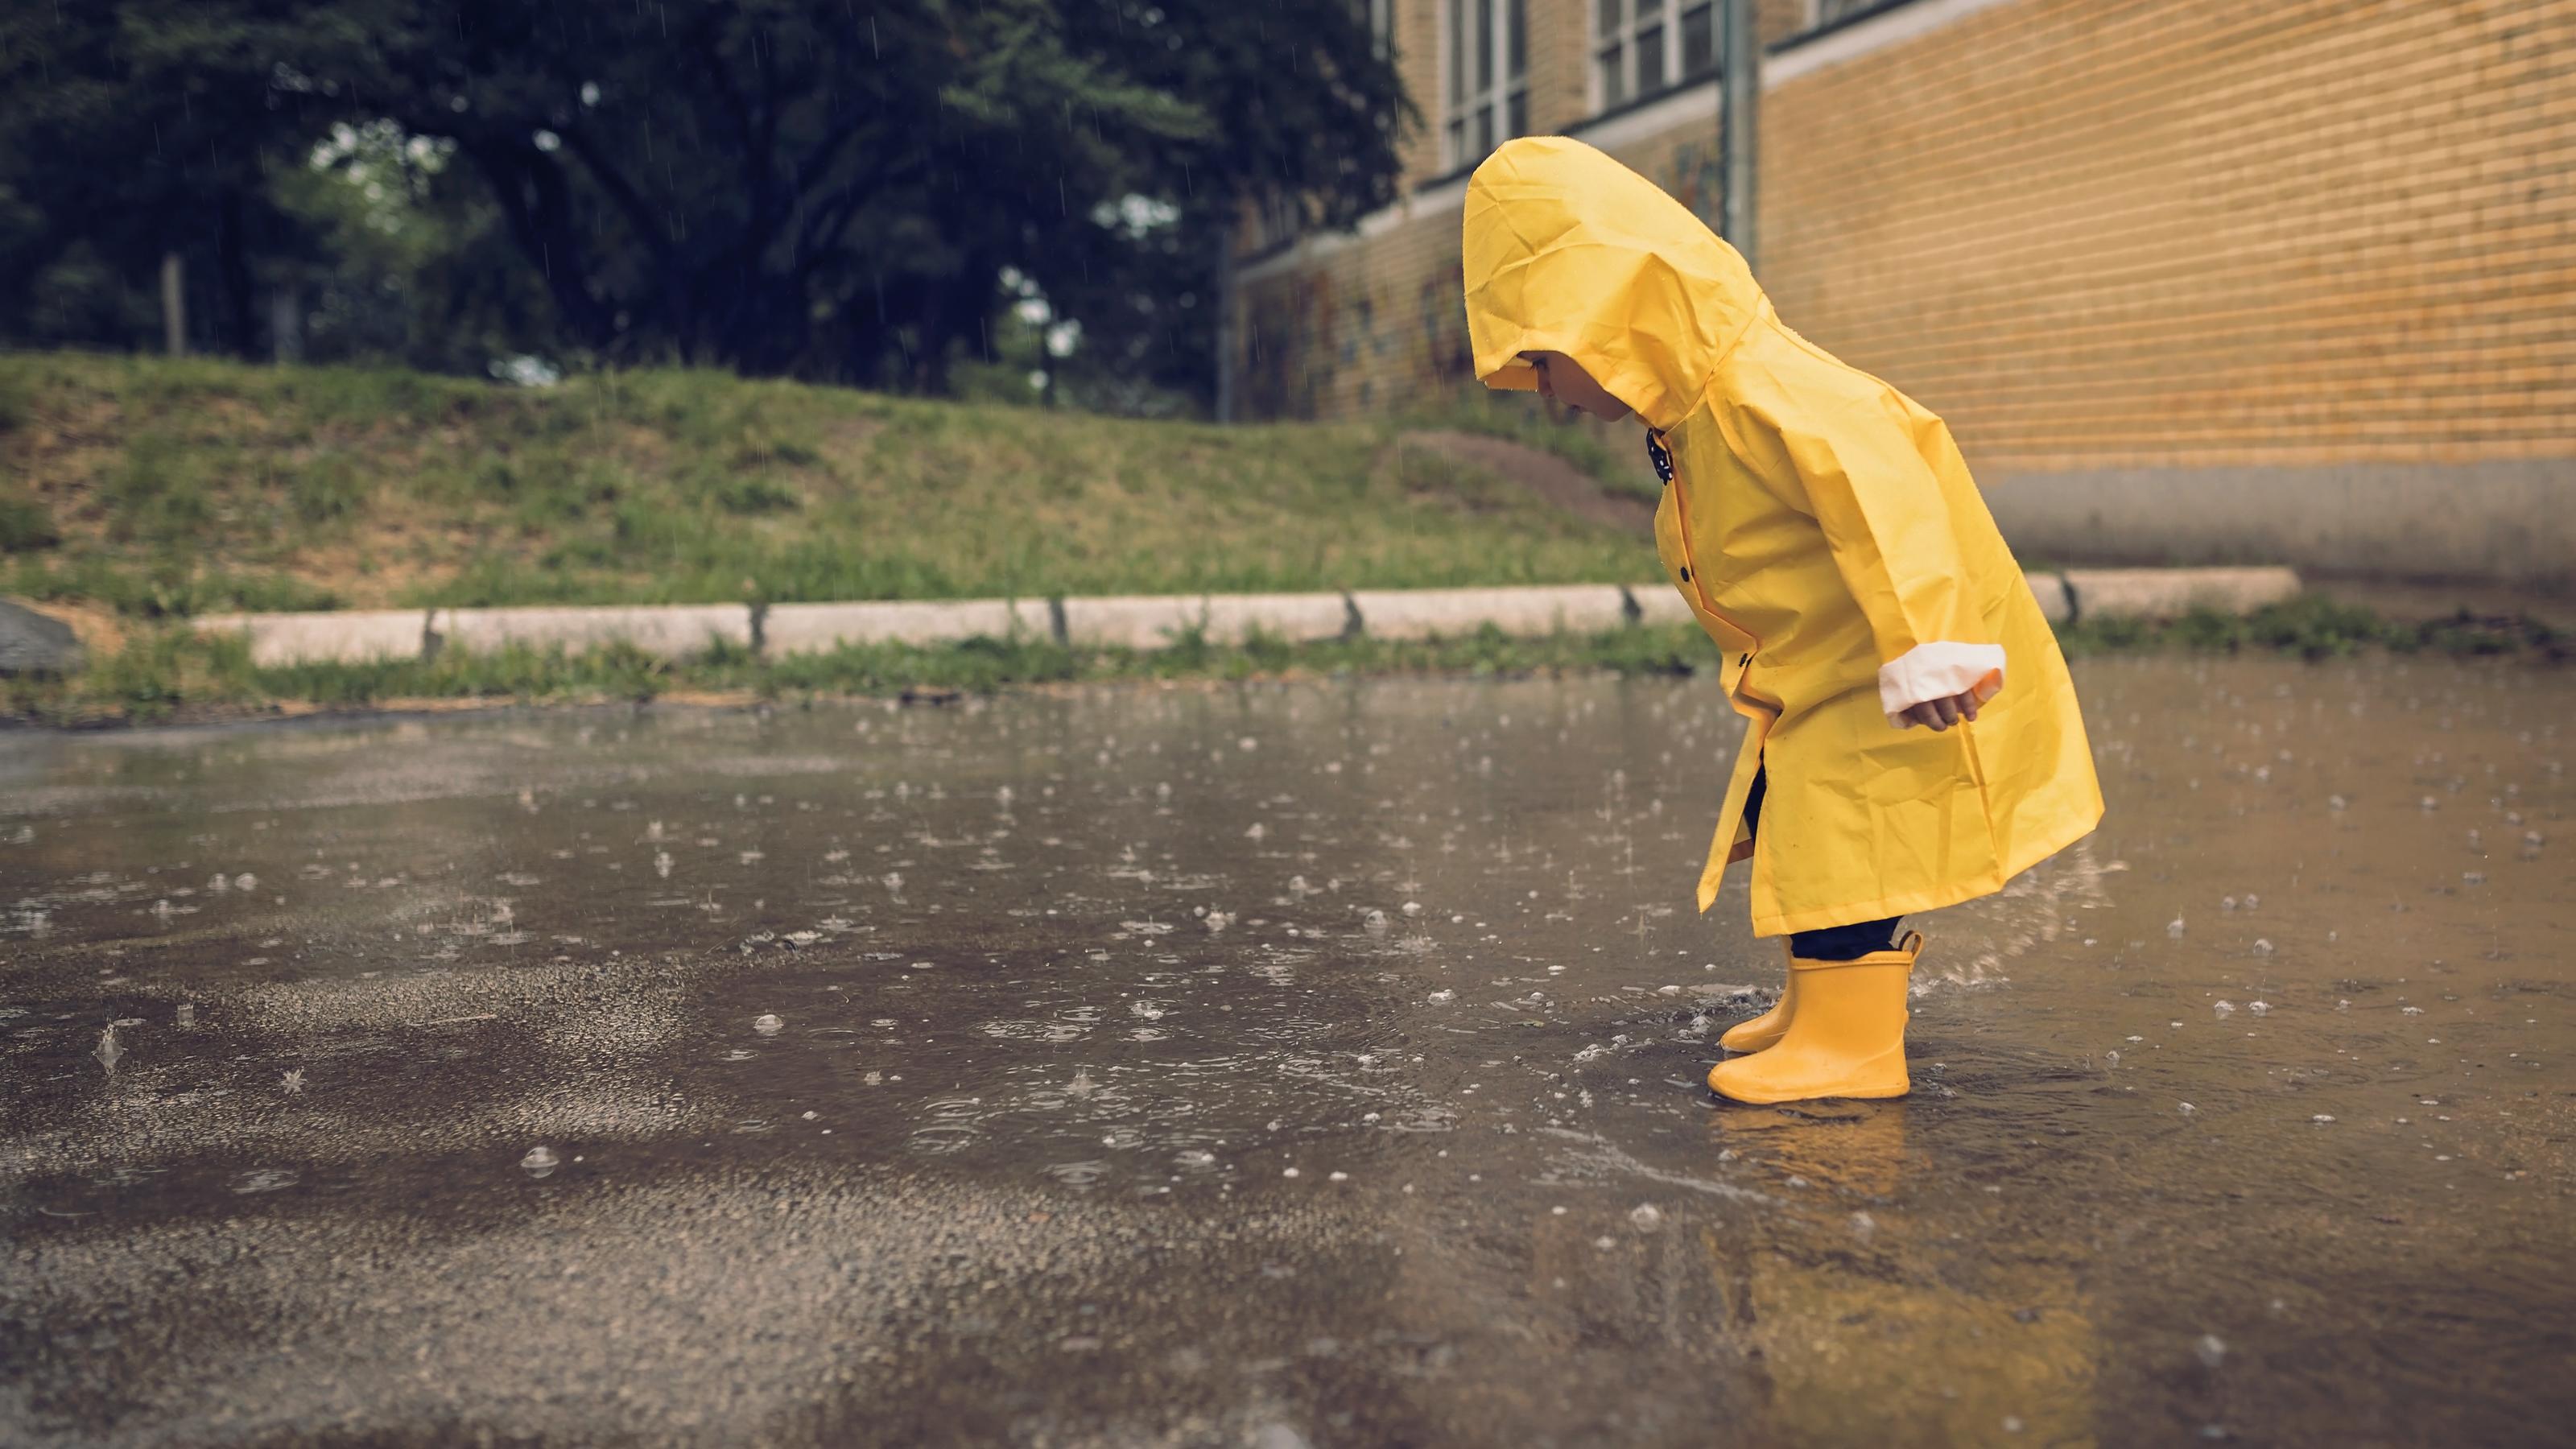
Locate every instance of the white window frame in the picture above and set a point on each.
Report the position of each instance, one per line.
(1618, 38)
(1474, 118)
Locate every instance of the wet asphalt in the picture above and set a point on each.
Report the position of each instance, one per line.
(1273, 1065)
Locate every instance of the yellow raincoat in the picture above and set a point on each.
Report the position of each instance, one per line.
(1825, 531)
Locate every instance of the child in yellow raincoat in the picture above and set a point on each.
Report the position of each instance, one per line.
(1913, 738)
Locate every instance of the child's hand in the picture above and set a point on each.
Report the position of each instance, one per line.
(1940, 714)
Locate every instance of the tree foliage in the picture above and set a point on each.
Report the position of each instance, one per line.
(831, 189)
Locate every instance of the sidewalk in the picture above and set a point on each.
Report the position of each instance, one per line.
(1134, 622)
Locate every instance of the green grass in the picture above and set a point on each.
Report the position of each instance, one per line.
(1611, 455)
(2315, 627)
(151, 487)
(25, 525)
(169, 671)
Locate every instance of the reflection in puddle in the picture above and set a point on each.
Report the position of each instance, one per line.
(1040, 1030)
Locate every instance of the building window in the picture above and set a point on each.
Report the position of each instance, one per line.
(1282, 220)
(1826, 12)
(1381, 23)
(1488, 77)
(1640, 47)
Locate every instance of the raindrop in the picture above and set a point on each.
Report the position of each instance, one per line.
(1646, 1217)
(540, 1161)
(2259, 1008)
(2262, 947)
(108, 1051)
(1442, 998)
(767, 1025)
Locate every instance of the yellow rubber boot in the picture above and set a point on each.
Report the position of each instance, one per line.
(1755, 1033)
(1847, 1038)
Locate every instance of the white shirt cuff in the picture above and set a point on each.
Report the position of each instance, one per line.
(1939, 670)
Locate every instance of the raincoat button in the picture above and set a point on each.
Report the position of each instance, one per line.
(1685, 575)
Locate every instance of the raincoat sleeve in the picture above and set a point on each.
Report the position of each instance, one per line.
(1886, 521)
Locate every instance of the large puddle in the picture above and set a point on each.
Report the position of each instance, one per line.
(1274, 1065)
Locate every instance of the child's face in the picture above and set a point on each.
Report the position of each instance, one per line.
(1562, 379)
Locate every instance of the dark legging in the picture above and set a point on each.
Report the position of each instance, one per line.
(1833, 943)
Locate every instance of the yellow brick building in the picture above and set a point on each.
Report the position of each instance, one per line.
(2189, 278)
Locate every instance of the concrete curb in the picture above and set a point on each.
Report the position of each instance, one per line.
(668, 631)
(2165, 593)
(356, 637)
(818, 628)
(1539, 609)
(673, 631)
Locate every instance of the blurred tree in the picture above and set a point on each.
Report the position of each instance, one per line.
(823, 188)
(411, 262)
(151, 127)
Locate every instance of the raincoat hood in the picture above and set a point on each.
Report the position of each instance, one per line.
(1566, 250)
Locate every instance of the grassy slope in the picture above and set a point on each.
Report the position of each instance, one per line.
(151, 488)
(147, 489)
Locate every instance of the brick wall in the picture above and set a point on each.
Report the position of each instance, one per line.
(2190, 232)
(1777, 20)
(2108, 239)
(1370, 329)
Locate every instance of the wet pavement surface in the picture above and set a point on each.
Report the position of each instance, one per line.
(1279, 1065)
